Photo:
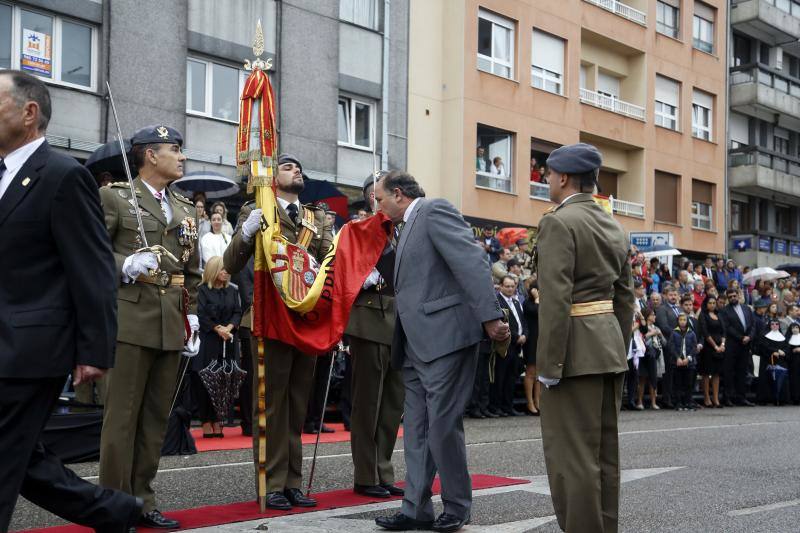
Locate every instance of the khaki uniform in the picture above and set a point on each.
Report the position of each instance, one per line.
(377, 389)
(289, 372)
(149, 339)
(582, 259)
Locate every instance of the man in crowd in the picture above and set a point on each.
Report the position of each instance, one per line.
(490, 244)
(515, 271)
(482, 163)
(506, 369)
(685, 285)
(57, 311)
(151, 332)
(792, 312)
(289, 372)
(708, 268)
(655, 301)
(740, 330)
(667, 320)
(524, 259)
(641, 299)
(585, 281)
(377, 388)
(500, 267)
(444, 298)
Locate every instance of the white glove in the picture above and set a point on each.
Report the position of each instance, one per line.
(192, 346)
(549, 382)
(194, 324)
(373, 279)
(137, 264)
(251, 224)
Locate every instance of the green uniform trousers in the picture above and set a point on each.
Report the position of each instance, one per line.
(139, 393)
(377, 399)
(288, 377)
(581, 451)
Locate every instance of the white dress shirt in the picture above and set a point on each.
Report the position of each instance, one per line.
(513, 308)
(165, 207)
(407, 214)
(213, 244)
(15, 161)
(285, 203)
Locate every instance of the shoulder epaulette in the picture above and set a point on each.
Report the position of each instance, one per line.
(314, 207)
(124, 184)
(552, 209)
(181, 197)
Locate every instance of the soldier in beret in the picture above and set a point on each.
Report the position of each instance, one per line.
(156, 300)
(289, 372)
(591, 302)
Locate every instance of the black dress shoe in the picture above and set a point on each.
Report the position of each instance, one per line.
(748, 403)
(489, 414)
(156, 520)
(531, 413)
(727, 403)
(296, 498)
(394, 490)
(276, 500)
(371, 491)
(514, 412)
(326, 429)
(474, 413)
(309, 429)
(401, 522)
(449, 522)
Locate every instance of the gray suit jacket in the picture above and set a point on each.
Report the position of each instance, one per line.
(443, 286)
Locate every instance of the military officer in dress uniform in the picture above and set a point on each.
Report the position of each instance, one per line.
(585, 314)
(289, 372)
(156, 303)
(377, 388)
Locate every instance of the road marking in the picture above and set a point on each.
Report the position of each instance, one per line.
(472, 445)
(763, 508)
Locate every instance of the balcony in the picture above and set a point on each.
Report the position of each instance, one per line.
(762, 172)
(541, 191)
(772, 22)
(613, 104)
(761, 92)
(493, 181)
(623, 10)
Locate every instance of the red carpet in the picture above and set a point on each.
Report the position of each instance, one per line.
(234, 440)
(214, 515)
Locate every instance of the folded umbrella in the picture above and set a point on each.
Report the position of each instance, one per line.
(222, 380)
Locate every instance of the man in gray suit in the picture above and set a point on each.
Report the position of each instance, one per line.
(443, 296)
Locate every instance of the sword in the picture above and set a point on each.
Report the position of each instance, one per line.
(321, 421)
(374, 171)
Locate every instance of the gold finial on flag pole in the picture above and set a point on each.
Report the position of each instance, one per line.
(258, 49)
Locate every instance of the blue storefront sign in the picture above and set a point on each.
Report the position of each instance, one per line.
(645, 241)
(764, 244)
(742, 243)
(779, 246)
(794, 248)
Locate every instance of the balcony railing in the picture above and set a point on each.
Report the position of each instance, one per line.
(493, 181)
(623, 10)
(762, 74)
(541, 191)
(612, 104)
(754, 155)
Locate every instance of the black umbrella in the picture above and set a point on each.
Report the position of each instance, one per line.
(789, 267)
(213, 184)
(223, 380)
(107, 158)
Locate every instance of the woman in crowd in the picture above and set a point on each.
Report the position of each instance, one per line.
(203, 223)
(773, 313)
(530, 310)
(698, 295)
(219, 207)
(772, 349)
(711, 358)
(793, 357)
(215, 241)
(648, 366)
(635, 354)
(219, 312)
(683, 347)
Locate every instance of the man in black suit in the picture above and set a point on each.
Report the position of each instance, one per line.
(687, 305)
(667, 320)
(740, 330)
(506, 369)
(59, 314)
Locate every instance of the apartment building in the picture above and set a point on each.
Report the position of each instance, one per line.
(764, 144)
(644, 81)
(339, 68)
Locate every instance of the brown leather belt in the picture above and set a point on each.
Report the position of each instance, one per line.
(162, 279)
(601, 307)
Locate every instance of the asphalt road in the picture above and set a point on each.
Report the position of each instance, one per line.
(715, 470)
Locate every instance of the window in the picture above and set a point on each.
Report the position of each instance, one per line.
(493, 164)
(355, 123)
(668, 96)
(783, 220)
(702, 106)
(781, 140)
(738, 130)
(702, 202)
(666, 191)
(547, 62)
(607, 182)
(495, 44)
(741, 50)
(703, 27)
(213, 90)
(50, 47)
(362, 12)
(739, 216)
(668, 17)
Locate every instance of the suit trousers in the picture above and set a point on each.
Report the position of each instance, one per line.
(433, 431)
(28, 468)
(481, 387)
(140, 390)
(666, 383)
(631, 383)
(506, 371)
(245, 400)
(734, 366)
(288, 379)
(581, 450)
(322, 368)
(377, 394)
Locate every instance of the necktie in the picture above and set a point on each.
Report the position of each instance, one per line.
(675, 310)
(398, 228)
(291, 210)
(160, 197)
(2, 168)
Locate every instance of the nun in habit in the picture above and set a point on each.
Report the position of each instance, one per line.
(772, 369)
(793, 355)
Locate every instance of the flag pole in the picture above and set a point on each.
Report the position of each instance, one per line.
(319, 429)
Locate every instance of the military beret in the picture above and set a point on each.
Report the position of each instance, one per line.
(575, 159)
(289, 158)
(157, 134)
(368, 181)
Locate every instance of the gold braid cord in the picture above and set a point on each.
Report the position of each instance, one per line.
(261, 436)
